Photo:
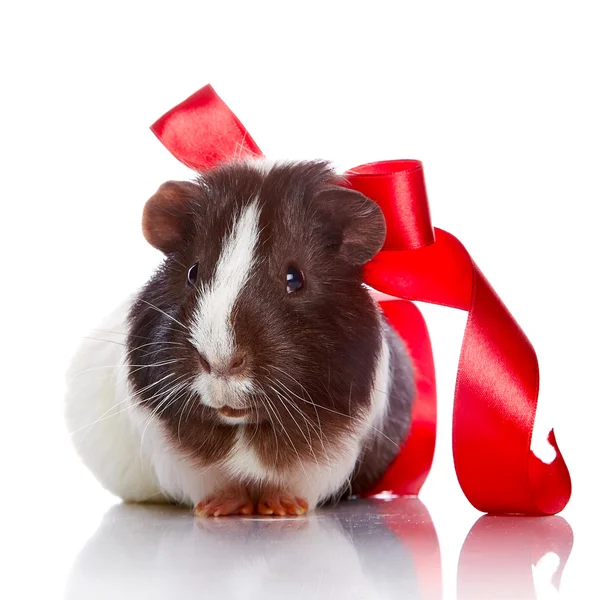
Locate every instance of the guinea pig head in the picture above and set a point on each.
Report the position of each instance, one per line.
(258, 314)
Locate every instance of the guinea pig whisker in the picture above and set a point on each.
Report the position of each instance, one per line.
(358, 421)
(289, 401)
(289, 438)
(185, 405)
(155, 343)
(104, 417)
(123, 333)
(89, 337)
(151, 385)
(127, 373)
(254, 405)
(239, 147)
(168, 394)
(97, 339)
(154, 412)
(309, 422)
(208, 437)
(296, 395)
(96, 369)
(160, 391)
(265, 397)
(196, 402)
(151, 352)
(169, 327)
(340, 413)
(163, 312)
(111, 331)
(177, 396)
(120, 365)
(285, 401)
(307, 439)
(279, 387)
(294, 380)
(105, 414)
(154, 365)
(386, 393)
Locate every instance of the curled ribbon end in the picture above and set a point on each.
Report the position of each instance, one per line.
(550, 482)
(542, 447)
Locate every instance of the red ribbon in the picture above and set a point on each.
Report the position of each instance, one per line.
(498, 377)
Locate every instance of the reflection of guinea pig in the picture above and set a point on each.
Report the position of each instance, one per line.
(159, 552)
(256, 369)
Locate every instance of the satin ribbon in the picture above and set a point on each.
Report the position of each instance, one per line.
(498, 378)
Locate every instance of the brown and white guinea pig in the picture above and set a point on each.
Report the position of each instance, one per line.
(254, 371)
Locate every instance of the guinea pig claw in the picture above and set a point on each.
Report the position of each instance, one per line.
(225, 503)
(302, 503)
(264, 509)
(281, 504)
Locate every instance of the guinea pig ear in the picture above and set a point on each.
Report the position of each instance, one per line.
(166, 214)
(358, 224)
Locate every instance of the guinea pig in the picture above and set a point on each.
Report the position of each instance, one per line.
(254, 372)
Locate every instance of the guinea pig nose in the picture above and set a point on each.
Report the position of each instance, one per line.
(204, 364)
(237, 363)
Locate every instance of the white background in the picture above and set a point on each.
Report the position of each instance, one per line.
(500, 101)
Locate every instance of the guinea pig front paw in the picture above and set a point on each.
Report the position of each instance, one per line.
(279, 503)
(231, 501)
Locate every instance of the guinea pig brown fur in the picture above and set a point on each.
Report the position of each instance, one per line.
(258, 372)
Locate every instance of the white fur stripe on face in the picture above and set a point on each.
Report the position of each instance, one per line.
(212, 333)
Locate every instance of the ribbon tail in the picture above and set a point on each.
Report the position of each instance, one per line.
(497, 384)
(494, 412)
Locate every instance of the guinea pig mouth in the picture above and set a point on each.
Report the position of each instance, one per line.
(228, 411)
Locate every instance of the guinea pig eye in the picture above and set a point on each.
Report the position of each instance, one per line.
(294, 280)
(192, 275)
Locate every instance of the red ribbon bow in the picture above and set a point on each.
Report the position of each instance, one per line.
(498, 377)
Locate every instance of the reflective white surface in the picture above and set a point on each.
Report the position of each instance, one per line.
(361, 549)
(501, 102)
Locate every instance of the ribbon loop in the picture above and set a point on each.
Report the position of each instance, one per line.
(398, 186)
